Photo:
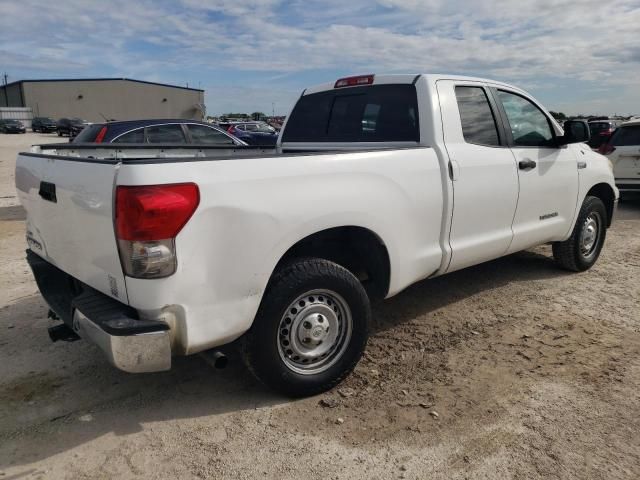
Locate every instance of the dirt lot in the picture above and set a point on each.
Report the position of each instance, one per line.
(512, 369)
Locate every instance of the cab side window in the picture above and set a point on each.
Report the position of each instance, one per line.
(478, 122)
(529, 126)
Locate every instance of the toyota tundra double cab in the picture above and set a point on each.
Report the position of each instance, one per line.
(376, 182)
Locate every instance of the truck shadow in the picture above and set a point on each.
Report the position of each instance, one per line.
(69, 392)
(433, 294)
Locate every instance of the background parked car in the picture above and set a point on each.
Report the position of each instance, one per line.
(601, 131)
(70, 126)
(254, 133)
(12, 126)
(623, 150)
(43, 124)
(157, 131)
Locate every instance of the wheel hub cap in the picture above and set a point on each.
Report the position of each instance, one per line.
(589, 234)
(314, 331)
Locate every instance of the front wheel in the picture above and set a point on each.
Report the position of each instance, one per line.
(581, 250)
(311, 328)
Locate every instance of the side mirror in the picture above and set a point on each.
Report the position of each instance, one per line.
(575, 131)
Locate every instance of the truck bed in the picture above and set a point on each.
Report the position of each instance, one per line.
(162, 153)
(249, 215)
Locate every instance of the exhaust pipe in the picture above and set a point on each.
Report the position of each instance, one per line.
(62, 332)
(216, 359)
(220, 360)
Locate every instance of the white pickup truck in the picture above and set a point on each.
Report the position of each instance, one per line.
(377, 182)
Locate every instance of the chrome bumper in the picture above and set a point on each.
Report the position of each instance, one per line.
(135, 353)
(131, 344)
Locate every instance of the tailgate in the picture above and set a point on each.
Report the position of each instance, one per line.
(69, 204)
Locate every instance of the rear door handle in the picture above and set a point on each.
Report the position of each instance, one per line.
(527, 164)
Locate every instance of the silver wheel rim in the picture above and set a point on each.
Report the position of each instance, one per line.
(314, 332)
(590, 234)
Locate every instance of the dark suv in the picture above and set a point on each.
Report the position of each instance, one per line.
(70, 126)
(12, 126)
(43, 124)
(601, 131)
(166, 131)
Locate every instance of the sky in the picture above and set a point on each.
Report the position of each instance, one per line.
(258, 55)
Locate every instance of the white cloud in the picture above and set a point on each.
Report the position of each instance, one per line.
(547, 45)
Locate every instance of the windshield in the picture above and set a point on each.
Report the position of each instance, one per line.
(12, 122)
(77, 121)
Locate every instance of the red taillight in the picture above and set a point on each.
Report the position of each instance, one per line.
(606, 149)
(354, 81)
(231, 130)
(101, 134)
(154, 212)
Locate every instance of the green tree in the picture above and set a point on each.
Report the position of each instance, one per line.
(258, 116)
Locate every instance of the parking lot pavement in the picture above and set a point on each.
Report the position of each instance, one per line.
(511, 369)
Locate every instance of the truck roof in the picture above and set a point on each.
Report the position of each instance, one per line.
(407, 78)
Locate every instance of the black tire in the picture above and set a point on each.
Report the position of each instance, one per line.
(570, 254)
(263, 345)
(59, 133)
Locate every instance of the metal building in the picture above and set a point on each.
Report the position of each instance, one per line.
(97, 99)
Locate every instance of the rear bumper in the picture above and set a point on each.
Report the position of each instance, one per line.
(130, 344)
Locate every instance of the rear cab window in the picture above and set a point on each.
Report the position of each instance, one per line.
(376, 113)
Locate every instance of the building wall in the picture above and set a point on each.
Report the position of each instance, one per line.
(17, 113)
(93, 100)
(10, 96)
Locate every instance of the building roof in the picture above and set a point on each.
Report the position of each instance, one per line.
(101, 80)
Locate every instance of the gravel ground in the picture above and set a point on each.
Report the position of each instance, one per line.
(511, 369)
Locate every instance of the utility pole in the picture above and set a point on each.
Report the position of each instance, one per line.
(273, 109)
(4, 82)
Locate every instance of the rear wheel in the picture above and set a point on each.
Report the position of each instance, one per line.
(581, 250)
(310, 330)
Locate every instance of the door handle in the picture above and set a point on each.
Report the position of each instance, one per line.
(526, 164)
(48, 191)
(454, 170)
